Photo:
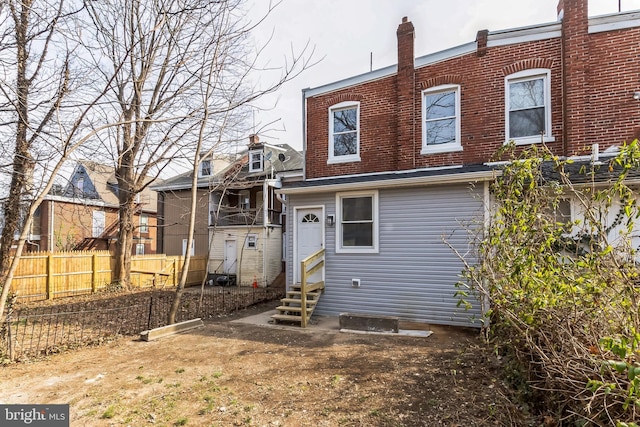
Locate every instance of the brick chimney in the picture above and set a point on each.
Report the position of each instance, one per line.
(405, 89)
(560, 10)
(253, 139)
(575, 57)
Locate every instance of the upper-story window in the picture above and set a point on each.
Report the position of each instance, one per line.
(441, 119)
(528, 106)
(205, 168)
(144, 223)
(256, 161)
(344, 132)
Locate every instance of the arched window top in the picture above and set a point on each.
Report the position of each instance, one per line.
(310, 218)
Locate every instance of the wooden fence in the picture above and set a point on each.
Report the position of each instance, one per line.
(48, 275)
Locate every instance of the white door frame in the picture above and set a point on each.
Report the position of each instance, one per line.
(296, 261)
(224, 262)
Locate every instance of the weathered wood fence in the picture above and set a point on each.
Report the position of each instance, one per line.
(48, 275)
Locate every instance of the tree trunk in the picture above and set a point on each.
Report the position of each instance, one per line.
(126, 211)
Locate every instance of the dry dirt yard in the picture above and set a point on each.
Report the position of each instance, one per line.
(231, 374)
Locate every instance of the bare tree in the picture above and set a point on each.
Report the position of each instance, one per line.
(183, 74)
(42, 113)
(226, 91)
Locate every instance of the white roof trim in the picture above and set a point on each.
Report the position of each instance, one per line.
(443, 55)
(616, 21)
(495, 38)
(404, 182)
(525, 34)
(351, 81)
(402, 172)
(79, 201)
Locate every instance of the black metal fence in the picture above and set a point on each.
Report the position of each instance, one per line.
(33, 331)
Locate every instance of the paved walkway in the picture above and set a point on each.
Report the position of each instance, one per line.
(329, 324)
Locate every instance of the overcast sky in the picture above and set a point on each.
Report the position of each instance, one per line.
(345, 33)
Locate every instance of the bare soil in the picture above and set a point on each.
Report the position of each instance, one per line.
(231, 374)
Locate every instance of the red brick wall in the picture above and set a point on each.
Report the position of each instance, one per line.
(602, 72)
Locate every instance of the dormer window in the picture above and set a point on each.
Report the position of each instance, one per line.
(205, 168)
(256, 161)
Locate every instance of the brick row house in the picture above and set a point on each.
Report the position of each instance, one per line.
(399, 157)
(83, 215)
(238, 216)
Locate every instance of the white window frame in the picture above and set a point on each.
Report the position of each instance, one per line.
(184, 247)
(139, 248)
(531, 74)
(260, 167)
(144, 223)
(209, 169)
(374, 248)
(251, 238)
(244, 200)
(448, 147)
(98, 223)
(350, 157)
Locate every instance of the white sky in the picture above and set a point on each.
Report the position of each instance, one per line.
(346, 32)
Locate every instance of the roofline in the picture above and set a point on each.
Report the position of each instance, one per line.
(184, 186)
(495, 38)
(92, 202)
(206, 185)
(389, 183)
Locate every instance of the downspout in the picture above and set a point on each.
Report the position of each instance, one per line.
(265, 229)
(52, 208)
(304, 133)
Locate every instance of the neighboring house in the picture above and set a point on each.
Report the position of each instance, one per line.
(84, 214)
(398, 159)
(238, 217)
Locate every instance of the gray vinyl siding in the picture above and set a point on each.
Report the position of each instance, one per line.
(414, 273)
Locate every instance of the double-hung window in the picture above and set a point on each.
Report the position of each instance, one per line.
(344, 132)
(357, 225)
(528, 107)
(256, 161)
(205, 168)
(441, 119)
(144, 223)
(98, 223)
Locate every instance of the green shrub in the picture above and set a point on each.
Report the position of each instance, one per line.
(563, 294)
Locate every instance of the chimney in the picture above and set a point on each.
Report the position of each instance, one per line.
(560, 9)
(405, 89)
(254, 139)
(481, 42)
(406, 36)
(575, 58)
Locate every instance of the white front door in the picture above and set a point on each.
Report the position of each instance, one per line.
(308, 238)
(230, 257)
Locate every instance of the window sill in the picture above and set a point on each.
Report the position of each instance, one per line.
(531, 140)
(357, 251)
(343, 159)
(442, 148)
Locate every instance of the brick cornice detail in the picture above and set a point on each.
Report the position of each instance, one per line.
(527, 64)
